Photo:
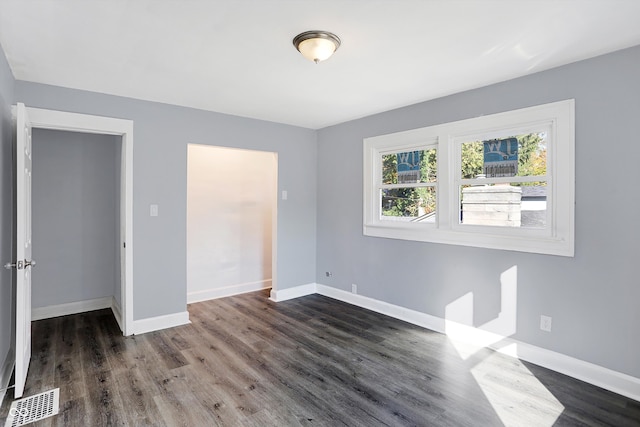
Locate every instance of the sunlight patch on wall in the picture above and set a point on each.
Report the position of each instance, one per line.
(468, 338)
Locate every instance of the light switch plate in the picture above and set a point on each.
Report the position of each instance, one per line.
(153, 210)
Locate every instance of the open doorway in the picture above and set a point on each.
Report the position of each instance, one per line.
(122, 130)
(231, 221)
(75, 222)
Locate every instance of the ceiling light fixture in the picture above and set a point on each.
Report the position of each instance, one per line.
(316, 46)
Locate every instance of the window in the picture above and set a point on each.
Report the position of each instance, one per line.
(408, 184)
(503, 181)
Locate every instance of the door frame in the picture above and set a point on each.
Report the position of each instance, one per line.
(75, 122)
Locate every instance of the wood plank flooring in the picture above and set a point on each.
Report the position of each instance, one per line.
(313, 361)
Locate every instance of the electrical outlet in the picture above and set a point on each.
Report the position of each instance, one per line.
(354, 288)
(328, 273)
(545, 323)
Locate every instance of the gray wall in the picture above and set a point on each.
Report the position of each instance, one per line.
(75, 239)
(6, 208)
(593, 298)
(161, 134)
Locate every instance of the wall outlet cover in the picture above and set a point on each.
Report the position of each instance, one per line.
(545, 323)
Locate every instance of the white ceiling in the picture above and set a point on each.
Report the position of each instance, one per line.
(236, 56)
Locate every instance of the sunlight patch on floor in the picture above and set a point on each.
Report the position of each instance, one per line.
(510, 393)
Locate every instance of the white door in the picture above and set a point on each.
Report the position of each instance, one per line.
(23, 248)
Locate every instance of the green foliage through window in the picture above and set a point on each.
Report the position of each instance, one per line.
(532, 157)
(409, 200)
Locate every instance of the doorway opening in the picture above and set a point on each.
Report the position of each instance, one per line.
(75, 222)
(231, 221)
(121, 131)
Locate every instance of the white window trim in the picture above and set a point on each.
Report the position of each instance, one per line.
(556, 239)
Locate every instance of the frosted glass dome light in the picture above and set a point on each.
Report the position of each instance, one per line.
(316, 46)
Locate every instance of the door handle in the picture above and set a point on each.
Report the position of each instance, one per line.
(17, 265)
(20, 264)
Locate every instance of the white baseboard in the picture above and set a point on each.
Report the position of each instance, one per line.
(227, 291)
(608, 379)
(5, 373)
(151, 324)
(117, 313)
(391, 310)
(290, 293)
(39, 313)
(139, 326)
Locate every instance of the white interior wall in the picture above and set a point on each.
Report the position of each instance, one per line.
(230, 206)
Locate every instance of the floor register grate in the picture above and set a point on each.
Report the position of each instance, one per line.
(33, 408)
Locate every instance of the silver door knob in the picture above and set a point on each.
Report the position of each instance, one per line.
(31, 263)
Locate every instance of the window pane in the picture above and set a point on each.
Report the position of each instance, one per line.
(409, 167)
(505, 205)
(408, 204)
(520, 155)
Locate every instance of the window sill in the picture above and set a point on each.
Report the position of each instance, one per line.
(511, 242)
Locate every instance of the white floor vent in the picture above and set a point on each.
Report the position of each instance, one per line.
(33, 408)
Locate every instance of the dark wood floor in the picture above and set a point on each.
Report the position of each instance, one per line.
(314, 361)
